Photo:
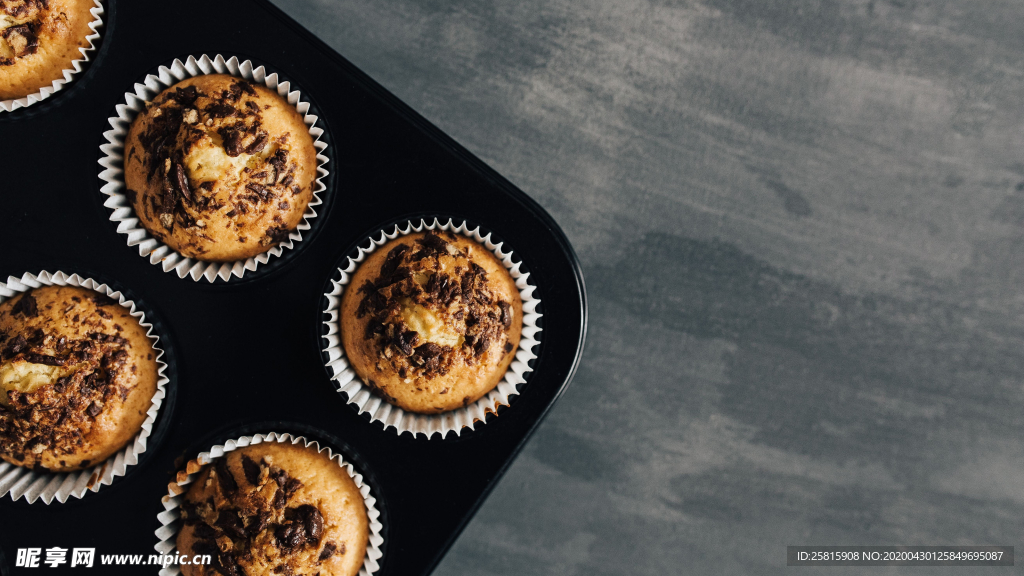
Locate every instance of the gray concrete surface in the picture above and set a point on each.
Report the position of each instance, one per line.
(802, 224)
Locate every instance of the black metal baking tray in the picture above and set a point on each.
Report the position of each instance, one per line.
(246, 354)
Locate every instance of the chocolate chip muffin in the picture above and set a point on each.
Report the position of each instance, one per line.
(38, 41)
(431, 321)
(274, 508)
(219, 169)
(77, 375)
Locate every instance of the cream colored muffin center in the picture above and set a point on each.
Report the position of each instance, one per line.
(207, 161)
(25, 377)
(429, 326)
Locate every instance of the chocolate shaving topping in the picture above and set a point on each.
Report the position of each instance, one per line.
(186, 191)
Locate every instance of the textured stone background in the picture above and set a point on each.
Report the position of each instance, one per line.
(801, 225)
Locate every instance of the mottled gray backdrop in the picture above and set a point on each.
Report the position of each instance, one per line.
(802, 227)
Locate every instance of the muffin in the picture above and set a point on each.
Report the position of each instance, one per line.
(430, 321)
(218, 168)
(274, 508)
(39, 39)
(77, 376)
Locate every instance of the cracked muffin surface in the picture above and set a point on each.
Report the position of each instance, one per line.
(277, 509)
(77, 376)
(38, 41)
(431, 321)
(219, 169)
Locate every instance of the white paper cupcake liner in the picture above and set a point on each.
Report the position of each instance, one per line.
(76, 66)
(25, 483)
(169, 518)
(112, 161)
(360, 394)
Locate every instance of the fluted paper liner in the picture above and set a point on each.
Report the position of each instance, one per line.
(26, 483)
(170, 517)
(76, 66)
(112, 161)
(360, 394)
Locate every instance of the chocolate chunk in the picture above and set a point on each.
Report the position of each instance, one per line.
(290, 536)
(224, 477)
(279, 499)
(246, 87)
(185, 96)
(251, 470)
(232, 140)
(230, 523)
(278, 159)
(508, 347)
(327, 552)
(434, 243)
(16, 345)
(220, 110)
(94, 410)
(27, 306)
(204, 531)
(42, 359)
(205, 547)
(429, 350)
(258, 144)
(506, 313)
(233, 93)
(291, 486)
(391, 262)
(258, 189)
(405, 341)
(278, 234)
(481, 345)
(258, 523)
(312, 521)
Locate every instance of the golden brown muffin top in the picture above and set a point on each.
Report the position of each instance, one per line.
(219, 168)
(69, 360)
(431, 321)
(274, 508)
